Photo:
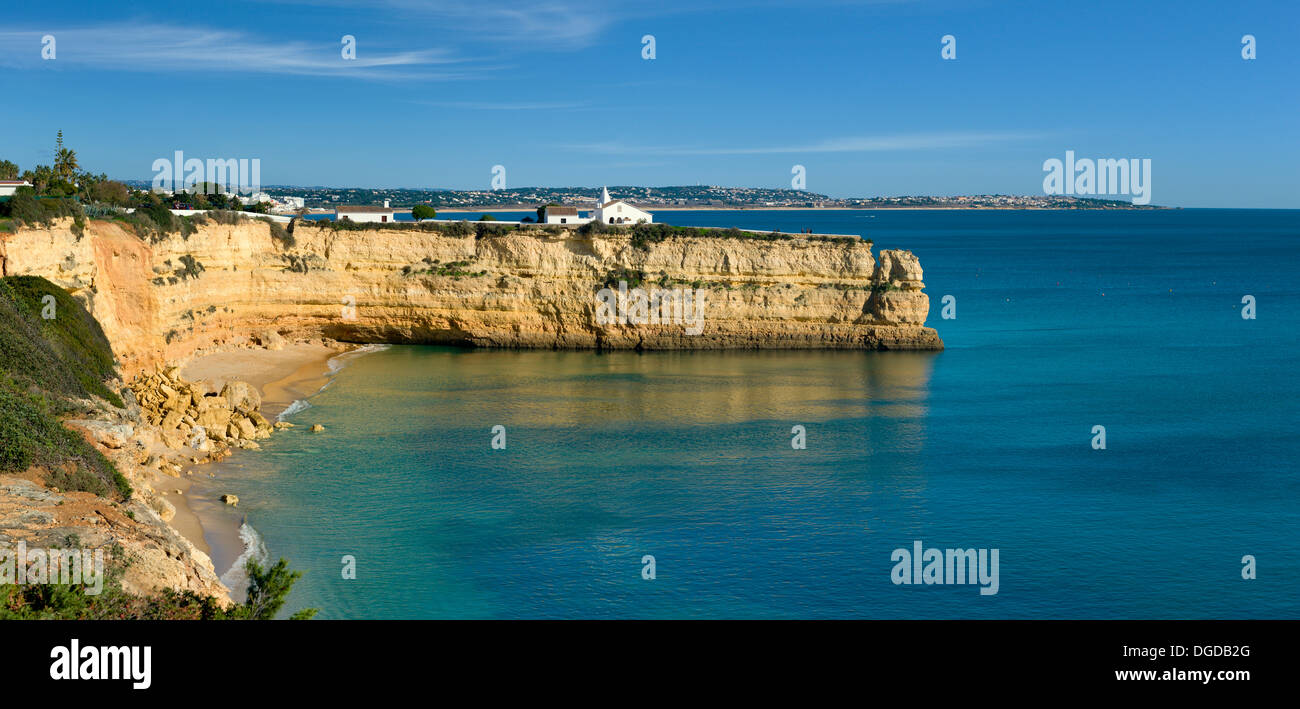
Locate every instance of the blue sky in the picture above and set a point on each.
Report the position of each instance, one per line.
(557, 91)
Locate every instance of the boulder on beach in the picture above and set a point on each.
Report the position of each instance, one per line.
(242, 397)
(270, 339)
(214, 419)
(247, 429)
(317, 428)
(232, 500)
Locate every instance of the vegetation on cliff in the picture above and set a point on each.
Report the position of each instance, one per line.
(268, 588)
(53, 356)
(643, 235)
(65, 190)
(45, 364)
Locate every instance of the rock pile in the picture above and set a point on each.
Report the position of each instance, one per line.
(189, 414)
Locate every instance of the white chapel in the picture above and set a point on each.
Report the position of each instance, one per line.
(616, 211)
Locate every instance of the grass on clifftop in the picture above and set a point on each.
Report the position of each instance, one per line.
(43, 364)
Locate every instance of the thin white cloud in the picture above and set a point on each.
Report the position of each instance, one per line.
(924, 141)
(542, 24)
(149, 47)
(508, 106)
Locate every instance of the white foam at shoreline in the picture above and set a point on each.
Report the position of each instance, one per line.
(295, 407)
(336, 365)
(338, 362)
(236, 578)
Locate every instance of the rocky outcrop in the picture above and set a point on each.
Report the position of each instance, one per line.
(155, 556)
(167, 425)
(190, 414)
(230, 284)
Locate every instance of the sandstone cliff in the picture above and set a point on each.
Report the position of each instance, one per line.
(164, 301)
(225, 285)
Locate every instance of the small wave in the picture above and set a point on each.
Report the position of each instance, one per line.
(338, 362)
(295, 407)
(236, 579)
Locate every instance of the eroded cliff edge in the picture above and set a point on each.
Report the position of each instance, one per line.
(163, 301)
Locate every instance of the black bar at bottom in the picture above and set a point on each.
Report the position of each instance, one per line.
(933, 656)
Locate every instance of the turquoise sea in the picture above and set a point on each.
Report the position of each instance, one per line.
(1064, 321)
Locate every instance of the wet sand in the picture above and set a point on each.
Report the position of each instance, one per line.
(281, 376)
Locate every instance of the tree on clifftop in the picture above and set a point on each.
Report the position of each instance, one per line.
(65, 160)
(8, 170)
(423, 211)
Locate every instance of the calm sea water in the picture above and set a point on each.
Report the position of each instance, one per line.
(1065, 321)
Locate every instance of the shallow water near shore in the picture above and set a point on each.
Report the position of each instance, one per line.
(1065, 321)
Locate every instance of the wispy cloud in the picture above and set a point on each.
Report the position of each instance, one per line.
(151, 47)
(553, 24)
(922, 141)
(508, 106)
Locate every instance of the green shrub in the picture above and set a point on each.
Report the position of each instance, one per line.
(161, 215)
(226, 216)
(268, 589)
(280, 234)
(192, 268)
(633, 278)
(460, 228)
(31, 434)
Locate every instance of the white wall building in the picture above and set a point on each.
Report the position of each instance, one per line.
(616, 211)
(9, 187)
(363, 213)
(278, 204)
(554, 214)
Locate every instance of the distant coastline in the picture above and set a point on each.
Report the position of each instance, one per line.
(749, 208)
(667, 198)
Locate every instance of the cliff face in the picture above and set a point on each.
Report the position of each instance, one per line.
(163, 301)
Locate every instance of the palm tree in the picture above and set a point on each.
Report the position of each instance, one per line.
(65, 160)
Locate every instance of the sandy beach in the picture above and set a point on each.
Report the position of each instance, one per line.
(281, 376)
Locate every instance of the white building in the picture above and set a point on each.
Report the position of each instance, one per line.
(555, 214)
(363, 213)
(616, 211)
(278, 204)
(9, 187)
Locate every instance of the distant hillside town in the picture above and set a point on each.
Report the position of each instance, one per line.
(286, 199)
